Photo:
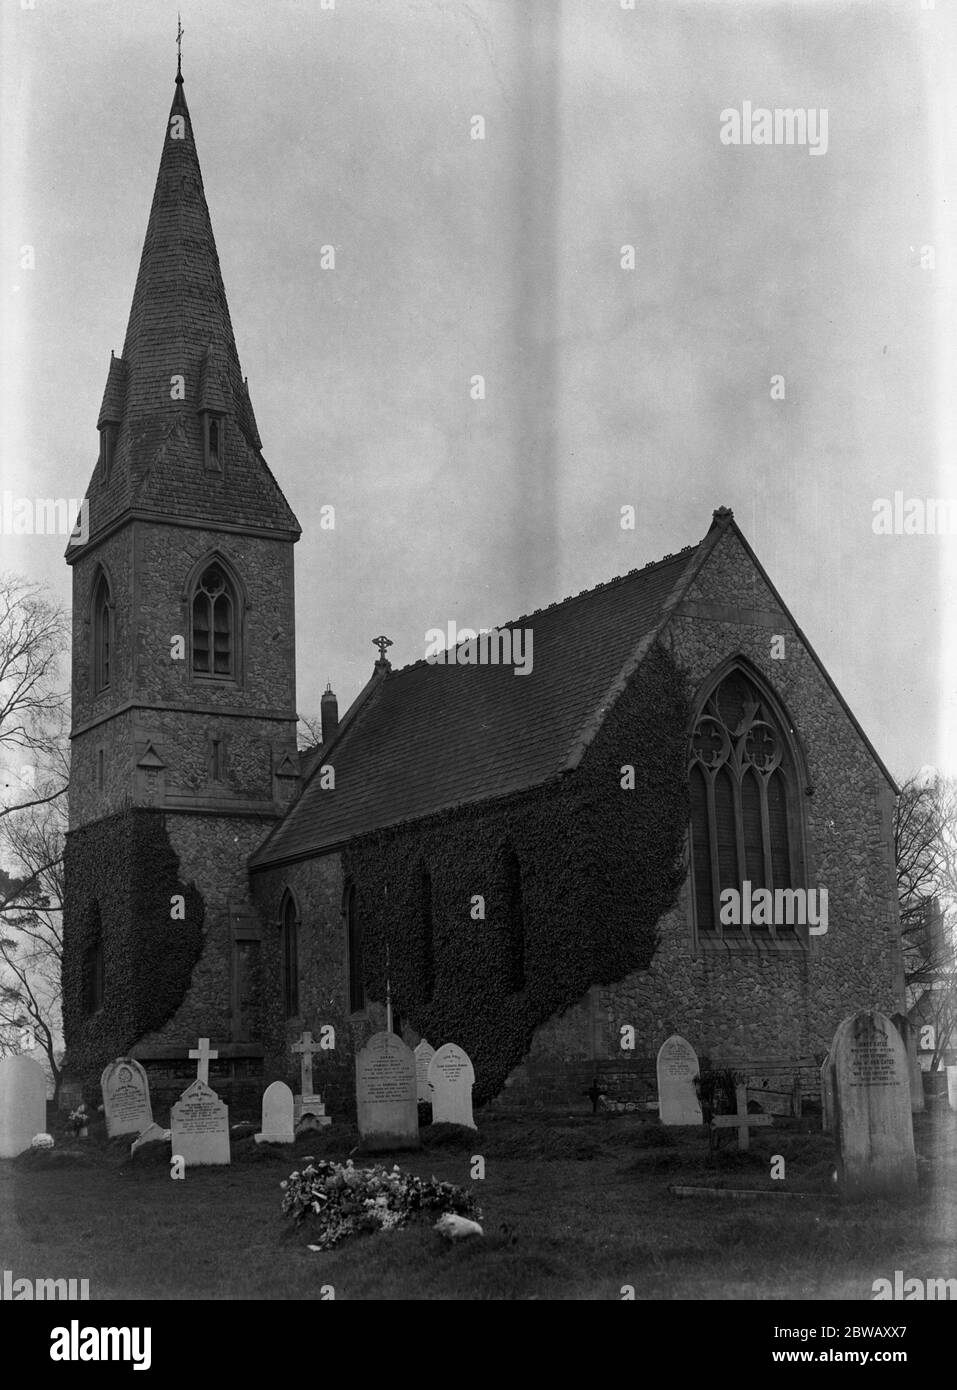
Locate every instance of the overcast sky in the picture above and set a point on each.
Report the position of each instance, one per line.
(456, 257)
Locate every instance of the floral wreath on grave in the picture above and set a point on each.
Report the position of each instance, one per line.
(339, 1200)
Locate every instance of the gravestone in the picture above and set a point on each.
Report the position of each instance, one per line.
(308, 1110)
(277, 1125)
(126, 1098)
(678, 1102)
(741, 1120)
(423, 1056)
(69, 1096)
(451, 1078)
(952, 1087)
(909, 1038)
(155, 1134)
(872, 1115)
(386, 1105)
(23, 1103)
(199, 1127)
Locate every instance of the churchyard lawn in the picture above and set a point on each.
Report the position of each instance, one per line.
(576, 1207)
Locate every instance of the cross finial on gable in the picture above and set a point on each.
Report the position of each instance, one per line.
(382, 643)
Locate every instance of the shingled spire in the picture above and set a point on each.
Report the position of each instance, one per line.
(180, 367)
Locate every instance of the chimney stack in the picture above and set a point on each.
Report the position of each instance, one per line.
(329, 713)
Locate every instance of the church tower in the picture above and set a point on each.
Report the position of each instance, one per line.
(183, 696)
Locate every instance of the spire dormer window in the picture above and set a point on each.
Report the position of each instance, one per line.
(214, 427)
(107, 448)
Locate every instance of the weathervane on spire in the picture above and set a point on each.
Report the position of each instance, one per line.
(179, 47)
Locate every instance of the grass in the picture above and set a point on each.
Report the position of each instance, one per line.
(575, 1207)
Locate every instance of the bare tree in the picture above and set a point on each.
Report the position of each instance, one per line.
(33, 636)
(31, 931)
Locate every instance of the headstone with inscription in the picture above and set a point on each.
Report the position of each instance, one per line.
(126, 1098)
(23, 1103)
(199, 1127)
(909, 1038)
(386, 1105)
(872, 1108)
(678, 1102)
(277, 1127)
(424, 1053)
(451, 1078)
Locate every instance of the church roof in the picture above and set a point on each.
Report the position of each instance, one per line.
(179, 326)
(429, 737)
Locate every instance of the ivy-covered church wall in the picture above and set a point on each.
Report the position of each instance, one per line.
(600, 862)
(121, 876)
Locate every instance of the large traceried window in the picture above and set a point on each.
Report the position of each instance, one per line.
(102, 634)
(745, 817)
(214, 624)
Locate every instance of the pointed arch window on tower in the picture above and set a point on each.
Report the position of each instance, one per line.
(745, 812)
(102, 635)
(214, 612)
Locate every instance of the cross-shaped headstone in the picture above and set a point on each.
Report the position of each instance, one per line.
(204, 1057)
(741, 1120)
(306, 1047)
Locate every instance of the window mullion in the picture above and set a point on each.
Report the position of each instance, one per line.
(712, 829)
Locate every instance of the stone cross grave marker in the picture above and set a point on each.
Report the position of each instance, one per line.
(386, 1105)
(126, 1097)
(872, 1108)
(451, 1078)
(742, 1120)
(277, 1127)
(424, 1053)
(204, 1057)
(199, 1127)
(23, 1103)
(678, 1102)
(309, 1110)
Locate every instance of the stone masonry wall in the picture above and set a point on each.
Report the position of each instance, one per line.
(739, 1004)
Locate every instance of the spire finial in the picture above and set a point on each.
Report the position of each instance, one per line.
(179, 48)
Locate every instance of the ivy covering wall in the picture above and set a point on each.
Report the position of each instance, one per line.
(121, 874)
(574, 876)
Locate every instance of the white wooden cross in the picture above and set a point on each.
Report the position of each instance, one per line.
(204, 1057)
(741, 1120)
(306, 1047)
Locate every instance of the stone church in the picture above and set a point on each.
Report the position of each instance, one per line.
(532, 866)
